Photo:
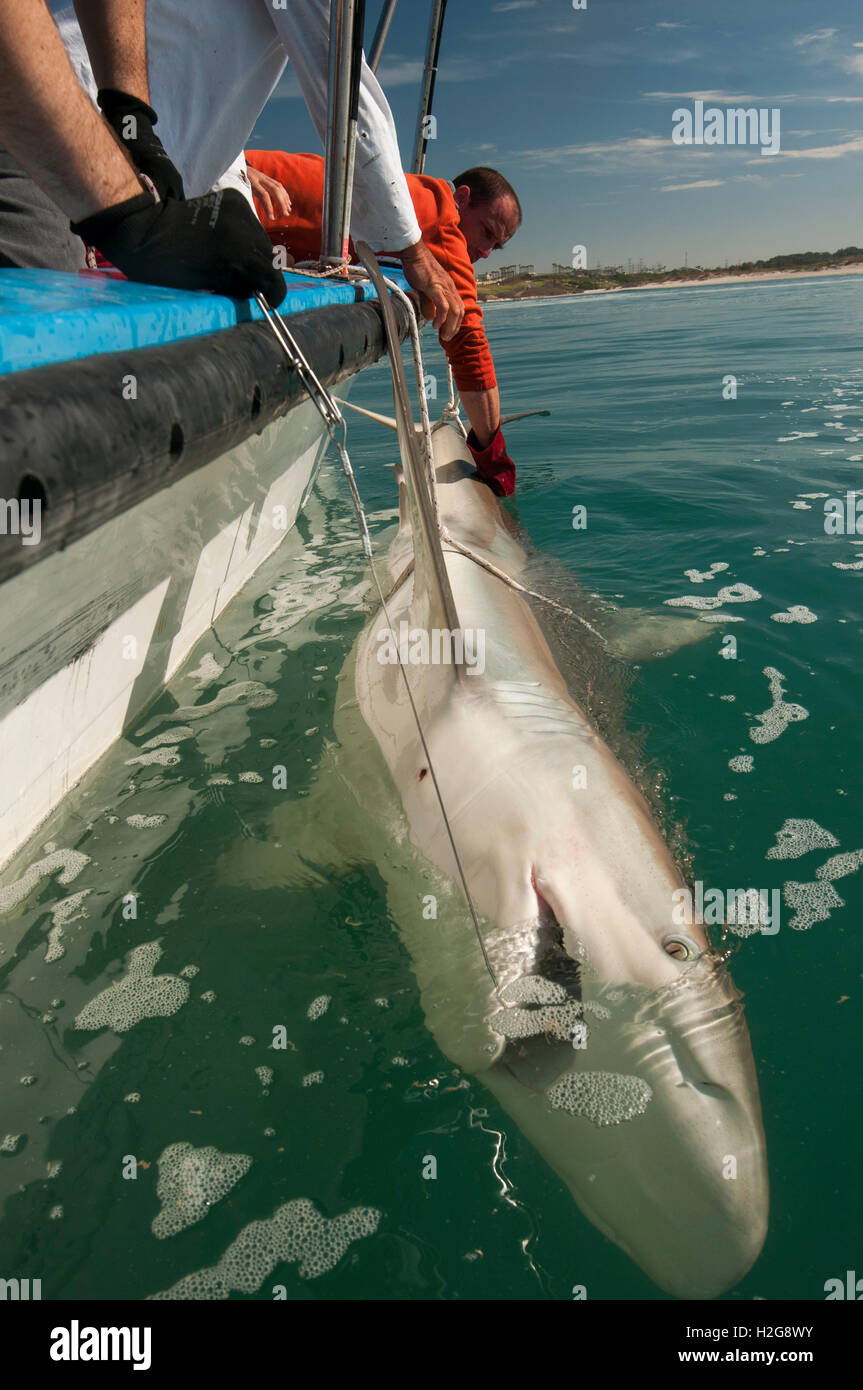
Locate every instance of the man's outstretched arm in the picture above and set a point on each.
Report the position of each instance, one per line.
(49, 123)
(115, 32)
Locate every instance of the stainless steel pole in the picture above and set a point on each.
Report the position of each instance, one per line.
(381, 32)
(429, 75)
(338, 157)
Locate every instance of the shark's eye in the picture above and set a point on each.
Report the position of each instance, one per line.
(681, 948)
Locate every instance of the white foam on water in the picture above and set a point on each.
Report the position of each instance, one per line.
(27, 1080)
(70, 861)
(699, 576)
(854, 565)
(399, 1061)
(731, 593)
(313, 1078)
(533, 989)
(729, 796)
(247, 1040)
(798, 837)
(264, 1075)
(801, 506)
(812, 903)
(145, 822)
(189, 972)
(208, 671)
(190, 1182)
(759, 551)
(208, 996)
(9, 1143)
(133, 1097)
(796, 613)
(840, 865)
(602, 1097)
(295, 1234)
(220, 780)
(555, 1020)
(166, 757)
(69, 909)
(250, 777)
(319, 1006)
(139, 995)
(55, 1214)
(168, 736)
(774, 721)
(55, 950)
(729, 698)
(814, 496)
(743, 763)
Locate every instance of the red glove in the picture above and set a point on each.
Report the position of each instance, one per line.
(493, 463)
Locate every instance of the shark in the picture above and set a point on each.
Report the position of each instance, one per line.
(534, 890)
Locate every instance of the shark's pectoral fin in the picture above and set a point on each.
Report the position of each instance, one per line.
(642, 634)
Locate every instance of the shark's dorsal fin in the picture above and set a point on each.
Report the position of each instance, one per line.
(431, 581)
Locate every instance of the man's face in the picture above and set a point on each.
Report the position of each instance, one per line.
(486, 226)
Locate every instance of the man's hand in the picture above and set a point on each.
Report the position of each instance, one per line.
(210, 243)
(132, 120)
(273, 196)
(439, 298)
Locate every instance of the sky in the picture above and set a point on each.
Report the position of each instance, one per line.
(575, 108)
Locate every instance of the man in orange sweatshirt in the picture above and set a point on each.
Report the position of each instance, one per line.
(461, 222)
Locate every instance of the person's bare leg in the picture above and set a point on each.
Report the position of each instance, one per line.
(49, 123)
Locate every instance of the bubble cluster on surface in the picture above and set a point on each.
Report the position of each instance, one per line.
(848, 565)
(165, 757)
(812, 902)
(247, 1040)
(54, 949)
(175, 734)
(55, 1214)
(796, 613)
(145, 822)
(250, 777)
(27, 1080)
(189, 972)
(797, 837)
(313, 1078)
(69, 860)
(556, 1020)
(295, 1234)
(699, 576)
(264, 1075)
(744, 762)
(731, 593)
(9, 1143)
(534, 989)
(840, 865)
(139, 994)
(774, 721)
(133, 1097)
(319, 1006)
(209, 996)
(70, 909)
(399, 1061)
(54, 1168)
(602, 1097)
(190, 1182)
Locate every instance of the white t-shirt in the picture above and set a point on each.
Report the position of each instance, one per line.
(213, 64)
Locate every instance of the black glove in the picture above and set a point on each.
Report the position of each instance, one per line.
(133, 121)
(210, 243)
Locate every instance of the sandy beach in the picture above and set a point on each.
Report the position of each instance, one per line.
(760, 275)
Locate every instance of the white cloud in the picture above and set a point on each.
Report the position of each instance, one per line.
(852, 146)
(699, 183)
(715, 97)
(817, 36)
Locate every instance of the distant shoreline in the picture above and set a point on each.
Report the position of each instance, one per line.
(856, 268)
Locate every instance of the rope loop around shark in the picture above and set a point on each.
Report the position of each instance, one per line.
(616, 1043)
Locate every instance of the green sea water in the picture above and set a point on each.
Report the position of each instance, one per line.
(675, 476)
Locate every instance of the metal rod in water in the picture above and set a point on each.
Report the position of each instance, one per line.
(429, 75)
(381, 32)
